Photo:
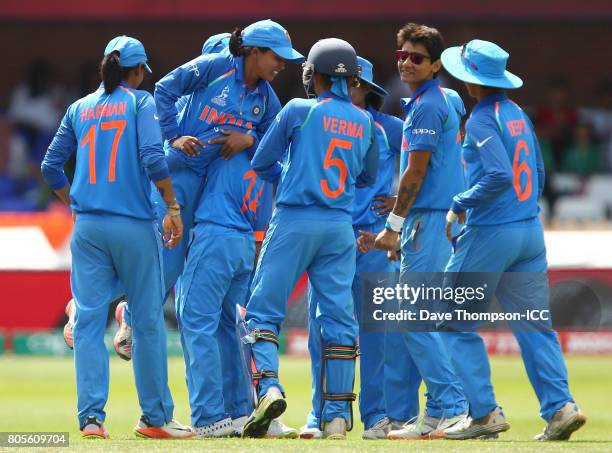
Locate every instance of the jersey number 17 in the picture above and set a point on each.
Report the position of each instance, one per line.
(90, 138)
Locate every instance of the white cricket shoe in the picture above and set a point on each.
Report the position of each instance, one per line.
(278, 430)
(123, 338)
(425, 427)
(378, 430)
(398, 424)
(565, 421)
(170, 430)
(221, 428)
(469, 428)
(307, 432)
(238, 424)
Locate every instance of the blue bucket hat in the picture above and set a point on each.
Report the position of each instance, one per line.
(216, 43)
(367, 75)
(482, 63)
(267, 33)
(131, 52)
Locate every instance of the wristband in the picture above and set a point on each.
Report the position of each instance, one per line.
(173, 208)
(394, 222)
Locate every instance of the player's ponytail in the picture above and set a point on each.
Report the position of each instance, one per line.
(235, 42)
(236, 46)
(111, 72)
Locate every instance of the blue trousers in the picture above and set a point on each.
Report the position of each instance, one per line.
(512, 248)
(371, 344)
(106, 249)
(215, 279)
(422, 354)
(321, 242)
(187, 188)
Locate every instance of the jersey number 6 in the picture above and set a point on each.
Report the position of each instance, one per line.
(338, 163)
(90, 138)
(518, 169)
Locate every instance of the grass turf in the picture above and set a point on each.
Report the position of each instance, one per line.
(38, 394)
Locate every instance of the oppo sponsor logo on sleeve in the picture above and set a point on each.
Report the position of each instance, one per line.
(423, 131)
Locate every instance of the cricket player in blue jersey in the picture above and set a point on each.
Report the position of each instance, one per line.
(235, 207)
(368, 210)
(173, 258)
(119, 151)
(218, 104)
(502, 234)
(328, 145)
(230, 106)
(431, 174)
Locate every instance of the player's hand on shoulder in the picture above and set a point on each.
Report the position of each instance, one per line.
(188, 145)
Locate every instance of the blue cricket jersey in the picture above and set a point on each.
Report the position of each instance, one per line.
(328, 146)
(218, 99)
(504, 165)
(433, 120)
(389, 135)
(234, 197)
(118, 141)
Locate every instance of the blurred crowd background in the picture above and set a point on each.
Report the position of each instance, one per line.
(560, 49)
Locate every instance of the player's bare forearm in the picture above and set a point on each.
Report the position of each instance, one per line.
(411, 181)
(165, 189)
(64, 194)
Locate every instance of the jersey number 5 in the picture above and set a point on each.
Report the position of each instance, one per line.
(338, 163)
(519, 169)
(90, 138)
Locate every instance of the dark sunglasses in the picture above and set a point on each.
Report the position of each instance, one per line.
(415, 57)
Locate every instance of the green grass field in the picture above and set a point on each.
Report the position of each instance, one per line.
(38, 394)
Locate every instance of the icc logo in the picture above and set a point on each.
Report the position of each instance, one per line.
(221, 99)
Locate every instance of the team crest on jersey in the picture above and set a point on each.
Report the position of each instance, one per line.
(221, 99)
(256, 110)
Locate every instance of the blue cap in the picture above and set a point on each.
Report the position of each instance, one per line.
(216, 43)
(131, 51)
(267, 33)
(482, 63)
(367, 75)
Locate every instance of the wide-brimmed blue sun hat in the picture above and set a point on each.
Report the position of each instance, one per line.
(367, 75)
(482, 63)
